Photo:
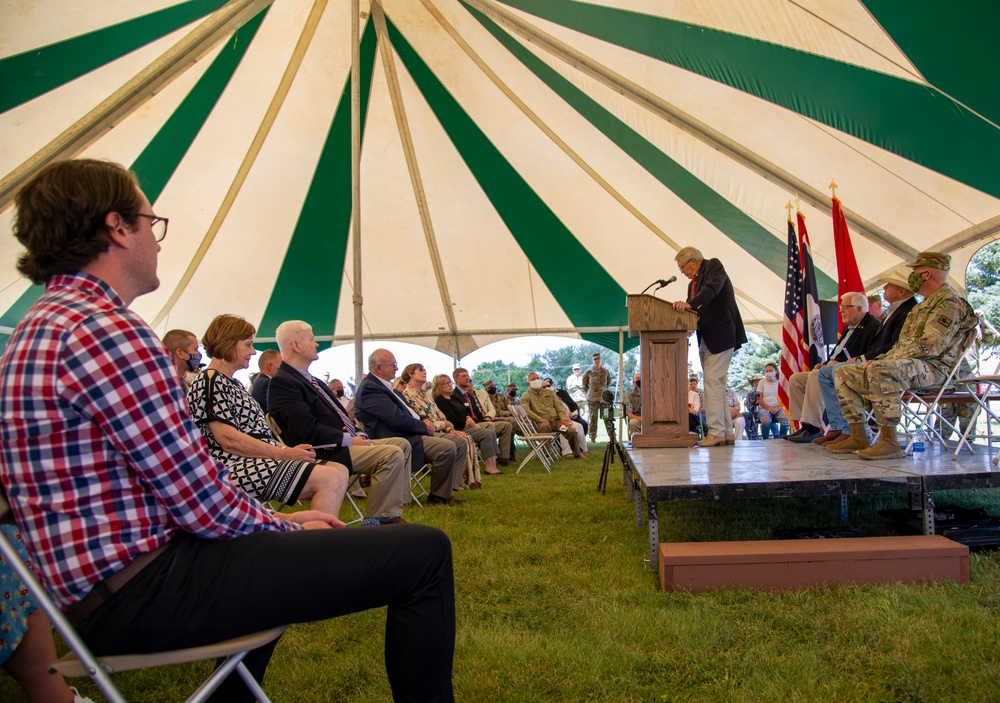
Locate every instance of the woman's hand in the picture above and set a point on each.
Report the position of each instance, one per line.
(300, 452)
(312, 519)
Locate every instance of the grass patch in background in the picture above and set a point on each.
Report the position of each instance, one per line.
(555, 603)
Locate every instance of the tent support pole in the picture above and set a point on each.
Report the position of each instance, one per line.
(621, 375)
(356, 181)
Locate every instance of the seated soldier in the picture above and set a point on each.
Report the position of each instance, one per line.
(633, 405)
(934, 336)
(544, 408)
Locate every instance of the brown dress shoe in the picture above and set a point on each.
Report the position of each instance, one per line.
(712, 441)
(828, 437)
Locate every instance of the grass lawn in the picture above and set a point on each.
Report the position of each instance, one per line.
(555, 603)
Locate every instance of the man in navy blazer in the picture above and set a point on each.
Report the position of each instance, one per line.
(720, 334)
(901, 301)
(385, 413)
(805, 397)
(308, 413)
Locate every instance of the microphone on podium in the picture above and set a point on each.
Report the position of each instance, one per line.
(659, 283)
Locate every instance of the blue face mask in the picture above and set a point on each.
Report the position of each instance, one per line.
(194, 361)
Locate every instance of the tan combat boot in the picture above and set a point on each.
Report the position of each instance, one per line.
(887, 446)
(848, 444)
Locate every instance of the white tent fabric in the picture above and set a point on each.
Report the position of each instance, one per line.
(524, 164)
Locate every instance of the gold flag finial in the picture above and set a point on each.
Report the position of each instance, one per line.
(789, 208)
(833, 187)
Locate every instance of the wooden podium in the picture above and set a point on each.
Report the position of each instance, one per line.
(663, 358)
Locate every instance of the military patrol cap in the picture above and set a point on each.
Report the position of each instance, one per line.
(896, 277)
(597, 355)
(576, 366)
(932, 260)
(487, 384)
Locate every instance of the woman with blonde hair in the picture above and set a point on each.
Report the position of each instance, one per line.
(238, 435)
(414, 377)
(456, 413)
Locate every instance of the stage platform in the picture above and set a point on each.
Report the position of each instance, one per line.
(781, 469)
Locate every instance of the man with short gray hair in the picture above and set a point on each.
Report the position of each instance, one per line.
(268, 363)
(720, 334)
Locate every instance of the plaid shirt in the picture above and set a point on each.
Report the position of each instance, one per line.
(98, 453)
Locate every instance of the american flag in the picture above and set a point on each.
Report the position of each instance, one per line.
(813, 329)
(793, 345)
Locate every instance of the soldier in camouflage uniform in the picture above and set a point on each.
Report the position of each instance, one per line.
(935, 334)
(596, 380)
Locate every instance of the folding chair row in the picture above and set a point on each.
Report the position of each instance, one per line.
(544, 445)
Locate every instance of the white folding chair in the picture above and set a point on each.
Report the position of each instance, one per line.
(544, 445)
(416, 484)
(352, 480)
(80, 661)
(922, 406)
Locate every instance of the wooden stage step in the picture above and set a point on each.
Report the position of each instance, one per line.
(781, 564)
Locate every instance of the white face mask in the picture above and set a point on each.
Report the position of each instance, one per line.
(771, 375)
(536, 384)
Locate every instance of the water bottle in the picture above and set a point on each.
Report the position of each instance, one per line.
(919, 444)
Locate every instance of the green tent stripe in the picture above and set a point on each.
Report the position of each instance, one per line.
(750, 236)
(546, 241)
(319, 242)
(161, 157)
(953, 44)
(16, 311)
(910, 119)
(26, 76)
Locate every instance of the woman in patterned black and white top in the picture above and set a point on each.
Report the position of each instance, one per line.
(237, 433)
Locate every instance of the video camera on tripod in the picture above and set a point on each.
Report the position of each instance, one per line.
(606, 412)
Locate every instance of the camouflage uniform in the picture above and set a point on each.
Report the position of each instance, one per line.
(595, 382)
(633, 404)
(934, 335)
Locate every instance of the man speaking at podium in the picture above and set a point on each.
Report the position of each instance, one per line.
(720, 333)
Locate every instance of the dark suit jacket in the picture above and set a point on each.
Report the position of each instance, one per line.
(259, 390)
(720, 325)
(861, 339)
(459, 397)
(454, 410)
(304, 416)
(383, 416)
(889, 332)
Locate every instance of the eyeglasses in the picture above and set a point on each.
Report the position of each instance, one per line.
(844, 307)
(157, 224)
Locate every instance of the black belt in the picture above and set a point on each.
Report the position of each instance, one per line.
(103, 590)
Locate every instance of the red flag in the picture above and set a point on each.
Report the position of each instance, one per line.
(848, 276)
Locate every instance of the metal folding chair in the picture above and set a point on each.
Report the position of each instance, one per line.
(80, 661)
(544, 445)
(416, 484)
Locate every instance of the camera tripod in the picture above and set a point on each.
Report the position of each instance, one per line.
(614, 446)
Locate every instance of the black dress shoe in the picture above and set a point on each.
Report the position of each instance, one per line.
(799, 438)
(801, 432)
(438, 500)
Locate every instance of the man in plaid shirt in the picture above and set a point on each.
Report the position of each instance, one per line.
(135, 529)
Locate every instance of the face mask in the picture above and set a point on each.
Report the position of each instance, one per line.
(915, 280)
(771, 375)
(491, 391)
(536, 384)
(637, 384)
(194, 361)
(339, 392)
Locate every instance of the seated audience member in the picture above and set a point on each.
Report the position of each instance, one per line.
(268, 363)
(549, 384)
(457, 414)
(805, 397)
(572, 408)
(633, 405)
(414, 378)
(545, 409)
(337, 387)
(772, 417)
(26, 646)
(183, 348)
(238, 435)
(130, 521)
(466, 393)
(901, 301)
(751, 405)
(386, 414)
(875, 306)
(694, 405)
(309, 413)
(733, 403)
(934, 336)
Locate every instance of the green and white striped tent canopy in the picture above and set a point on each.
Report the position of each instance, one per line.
(525, 163)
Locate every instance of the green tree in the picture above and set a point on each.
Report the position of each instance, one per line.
(982, 283)
(750, 359)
